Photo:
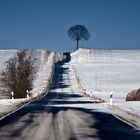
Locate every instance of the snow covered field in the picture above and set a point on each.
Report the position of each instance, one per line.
(106, 71)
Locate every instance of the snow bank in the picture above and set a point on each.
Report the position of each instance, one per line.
(44, 74)
(7, 105)
(81, 55)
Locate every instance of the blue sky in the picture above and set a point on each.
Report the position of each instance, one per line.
(113, 24)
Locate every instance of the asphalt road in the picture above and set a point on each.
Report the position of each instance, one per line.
(64, 115)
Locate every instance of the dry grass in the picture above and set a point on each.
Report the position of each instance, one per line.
(133, 95)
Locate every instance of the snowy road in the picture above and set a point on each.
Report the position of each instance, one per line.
(63, 114)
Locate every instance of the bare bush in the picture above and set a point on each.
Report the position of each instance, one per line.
(18, 74)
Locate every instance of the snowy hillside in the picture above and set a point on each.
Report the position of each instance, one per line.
(106, 71)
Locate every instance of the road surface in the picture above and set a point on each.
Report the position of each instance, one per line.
(64, 114)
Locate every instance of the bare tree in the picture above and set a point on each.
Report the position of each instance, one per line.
(77, 33)
(18, 74)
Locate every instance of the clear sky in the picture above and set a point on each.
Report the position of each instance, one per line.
(113, 24)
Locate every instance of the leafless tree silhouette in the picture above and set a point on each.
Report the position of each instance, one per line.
(78, 32)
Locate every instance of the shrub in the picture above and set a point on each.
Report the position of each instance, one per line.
(18, 74)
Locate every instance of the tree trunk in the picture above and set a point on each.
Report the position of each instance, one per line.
(77, 44)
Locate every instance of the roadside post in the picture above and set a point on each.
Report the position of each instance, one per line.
(91, 94)
(111, 100)
(12, 93)
(27, 91)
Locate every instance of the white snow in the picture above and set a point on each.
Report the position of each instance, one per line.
(104, 71)
(7, 105)
(44, 73)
